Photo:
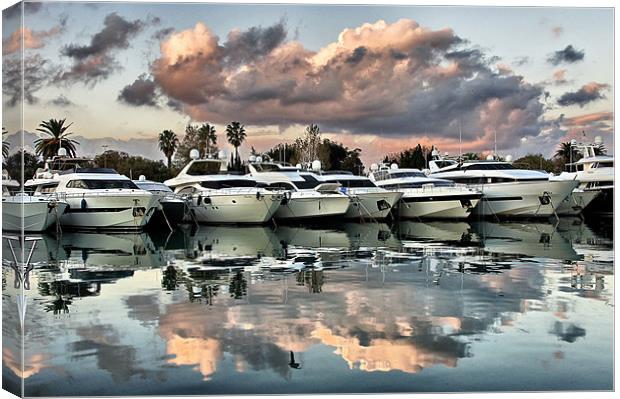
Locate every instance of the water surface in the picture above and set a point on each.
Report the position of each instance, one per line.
(411, 306)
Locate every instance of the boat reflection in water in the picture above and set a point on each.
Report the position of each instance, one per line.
(358, 308)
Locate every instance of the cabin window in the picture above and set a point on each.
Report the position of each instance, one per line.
(309, 182)
(101, 184)
(219, 184)
(356, 183)
(187, 190)
(607, 164)
(48, 188)
(488, 166)
(280, 186)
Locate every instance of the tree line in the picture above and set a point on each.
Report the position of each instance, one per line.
(308, 147)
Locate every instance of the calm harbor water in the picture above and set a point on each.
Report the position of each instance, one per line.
(411, 306)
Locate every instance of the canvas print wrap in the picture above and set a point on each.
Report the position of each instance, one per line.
(205, 198)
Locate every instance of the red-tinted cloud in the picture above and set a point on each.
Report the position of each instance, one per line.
(396, 80)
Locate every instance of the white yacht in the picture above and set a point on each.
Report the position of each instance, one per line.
(423, 196)
(219, 197)
(22, 211)
(507, 191)
(98, 198)
(595, 176)
(367, 199)
(306, 195)
(172, 208)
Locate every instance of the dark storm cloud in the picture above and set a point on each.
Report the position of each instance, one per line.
(586, 94)
(115, 35)
(94, 61)
(248, 45)
(143, 91)
(35, 73)
(162, 33)
(61, 101)
(357, 55)
(520, 61)
(15, 10)
(568, 55)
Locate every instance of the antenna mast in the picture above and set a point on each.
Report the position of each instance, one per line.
(460, 139)
(495, 140)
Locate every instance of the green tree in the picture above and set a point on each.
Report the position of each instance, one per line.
(567, 153)
(13, 165)
(535, 162)
(235, 133)
(58, 137)
(168, 143)
(207, 137)
(289, 152)
(134, 166)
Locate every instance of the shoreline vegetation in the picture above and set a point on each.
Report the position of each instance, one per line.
(203, 137)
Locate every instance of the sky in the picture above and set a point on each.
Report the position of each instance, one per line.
(378, 78)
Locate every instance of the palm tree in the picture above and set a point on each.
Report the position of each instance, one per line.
(566, 152)
(235, 133)
(58, 138)
(168, 143)
(207, 136)
(5, 146)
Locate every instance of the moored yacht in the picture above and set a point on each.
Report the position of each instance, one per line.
(423, 196)
(306, 195)
(98, 198)
(218, 197)
(367, 199)
(595, 176)
(22, 211)
(507, 191)
(172, 208)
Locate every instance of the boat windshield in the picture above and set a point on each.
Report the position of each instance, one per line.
(153, 186)
(204, 168)
(488, 166)
(218, 184)
(88, 184)
(397, 174)
(309, 182)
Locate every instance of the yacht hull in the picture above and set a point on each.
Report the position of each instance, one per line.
(312, 207)
(234, 208)
(39, 214)
(435, 206)
(377, 205)
(109, 210)
(603, 204)
(576, 202)
(522, 199)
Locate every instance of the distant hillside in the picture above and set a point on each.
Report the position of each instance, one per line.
(93, 146)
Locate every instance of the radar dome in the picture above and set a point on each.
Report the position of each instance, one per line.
(221, 154)
(142, 178)
(259, 159)
(252, 158)
(62, 152)
(194, 154)
(316, 165)
(598, 140)
(490, 157)
(394, 166)
(508, 158)
(374, 167)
